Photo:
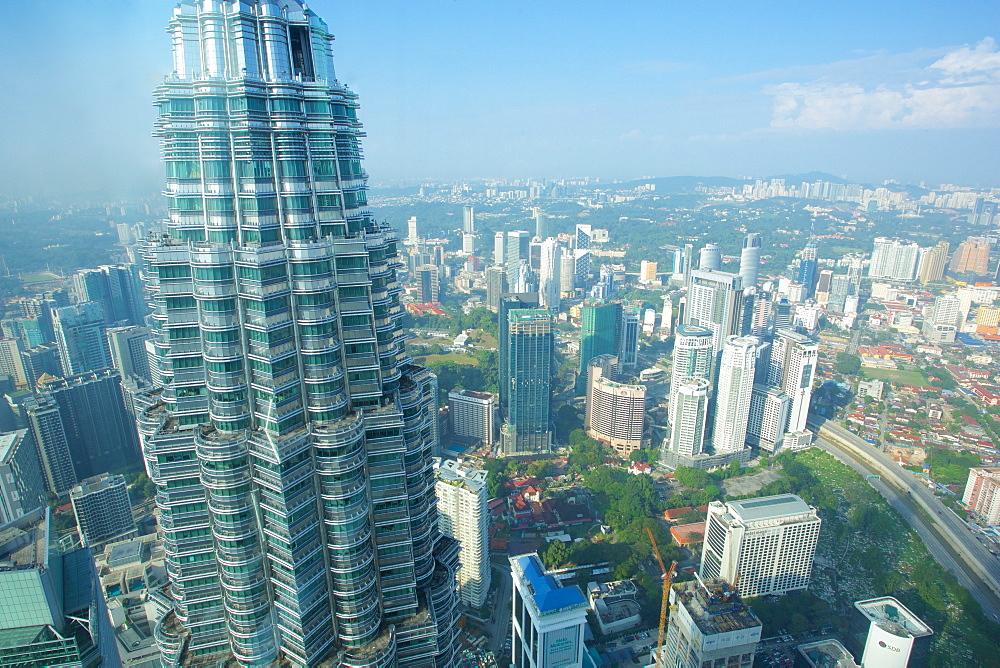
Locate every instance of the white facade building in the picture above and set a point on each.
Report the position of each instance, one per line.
(895, 636)
(768, 417)
(688, 417)
(709, 626)
(768, 543)
(103, 510)
(548, 619)
(615, 413)
(792, 368)
(473, 415)
(462, 514)
(982, 494)
(732, 396)
(894, 259)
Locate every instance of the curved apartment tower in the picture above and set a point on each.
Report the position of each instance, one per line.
(291, 440)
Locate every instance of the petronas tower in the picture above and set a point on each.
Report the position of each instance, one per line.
(291, 439)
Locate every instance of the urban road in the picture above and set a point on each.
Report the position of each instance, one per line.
(947, 537)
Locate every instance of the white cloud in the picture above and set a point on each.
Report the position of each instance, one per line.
(958, 90)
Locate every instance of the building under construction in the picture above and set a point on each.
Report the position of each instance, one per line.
(709, 625)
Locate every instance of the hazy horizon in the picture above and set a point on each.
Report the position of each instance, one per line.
(893, 91)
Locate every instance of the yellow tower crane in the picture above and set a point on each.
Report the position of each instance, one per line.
(668, 575)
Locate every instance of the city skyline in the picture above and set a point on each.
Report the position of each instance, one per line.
(740, 92)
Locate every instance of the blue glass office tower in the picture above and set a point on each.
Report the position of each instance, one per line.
(291, 441)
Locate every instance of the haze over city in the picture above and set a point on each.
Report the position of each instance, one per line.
(904, 91)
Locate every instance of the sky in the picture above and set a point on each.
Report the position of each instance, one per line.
(452, 89)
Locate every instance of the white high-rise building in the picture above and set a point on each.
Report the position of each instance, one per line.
(128, 351)
(548, 618)
(714, 300)
(500, 248)
(732, 395)
(895, 259)
(615, 411)
(688, 416)
(411, 230)
(549, 274)
(469, 243)
(647, 272)
(692, 356)
(768, 417)
(769, 543)
(982, 494)
(893, 636)
(750, 260)
(792, 368)
(948, 310)
(11, 363)
(473, 415)
(469, 219)
(710, 258)
(709, 626)
(462, 514)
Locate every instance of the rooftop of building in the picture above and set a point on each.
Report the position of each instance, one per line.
(693, 330)
(456, 473)
(714, 607)
(828, 653)
(774, 507)
(547, 593)
(482, 396)
(96, 484)
(24, 542)
(893, 617)
(7, 443)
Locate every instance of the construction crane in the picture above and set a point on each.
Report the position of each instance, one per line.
(668, 575)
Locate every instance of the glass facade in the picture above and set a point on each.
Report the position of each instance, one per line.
(291, 440)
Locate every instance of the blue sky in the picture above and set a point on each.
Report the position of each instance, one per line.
(887, 90)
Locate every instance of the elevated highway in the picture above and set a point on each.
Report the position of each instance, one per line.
(946, 536)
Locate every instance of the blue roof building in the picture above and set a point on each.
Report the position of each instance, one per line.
(549, 619)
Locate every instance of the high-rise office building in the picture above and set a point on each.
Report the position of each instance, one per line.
(628, 341)
(428, 283)
(808, 266)
(12, 362)
(52, 610)
(824, 284)
(692, 357)
(549, 619)
(528, 375)
(768, 417)
(710, 625)
(291, 444)
(117, 289)
(750, 259)
(473, 415)
(933, 262)
(469, 243)
(792, 368)
(40, 310)
(411, 230)
(508, 302)
(894, 259)
(79, 332)
(768, 542)
(128, 351)
(710, 258)
(599, 330)
(40, 360)
(688, 417)
(496, 286)
(567, 272)
(615, 411)
(469, 219)
(714, 300)
(517, 252)
(462, 514)
(101, 435)
(549, 276)
(733, 391)
(22, 485)
(102, 508)
(541, 222)
(500, 248)
(46, 423)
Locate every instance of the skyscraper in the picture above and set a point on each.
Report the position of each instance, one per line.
(469, 219)
(45, 420)
(894, 259)
(688, 417)
(461, 502)
(79, 332)
(102, 508)
(808, 264)
(615, 411)
(549, 278)
(768, 542)
(732, 396)
(541, 223)
(710, 625)
(972, 256)
(473, 415)
(599, 329)
(792, 368)
(496, 286)
(116, 288)
(128, 351)
(528, 375)
(549, 619)
(715, 301)
(692, 357)
(933, 262)
(750, 259)
(22, 485)
(628, 341)
(710, 258)
(291, 444)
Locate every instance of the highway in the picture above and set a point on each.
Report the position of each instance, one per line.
(944, 533)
